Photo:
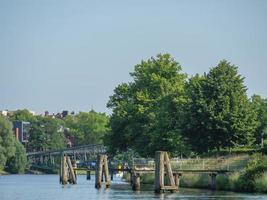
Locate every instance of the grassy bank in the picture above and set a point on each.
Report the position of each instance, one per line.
(249, 175)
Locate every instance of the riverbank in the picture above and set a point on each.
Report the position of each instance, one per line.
(249, 174)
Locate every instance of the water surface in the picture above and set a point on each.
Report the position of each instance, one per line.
(47, 187)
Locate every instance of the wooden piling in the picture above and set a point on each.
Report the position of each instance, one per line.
(64, 172)
(136, 182)
(99, 170)
(161, 161)
(159, 171)
(72, 177)
(169, 170)
(177, 179)
(111, 175)
(106, 172)
(88, 175)
(213, 181)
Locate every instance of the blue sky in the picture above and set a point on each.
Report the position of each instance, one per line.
(64, 54)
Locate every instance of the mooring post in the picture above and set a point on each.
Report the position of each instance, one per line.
(161, 161)
(61, 169)
(106, 172)
(177, 179)
(111, 175)
(213, 181)
(88, 175)
(64, 171)
(136, 182)
(99, 171)
(159, 171)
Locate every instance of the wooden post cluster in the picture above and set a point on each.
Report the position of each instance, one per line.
(67, 174)
(162, 163)
(102, 169)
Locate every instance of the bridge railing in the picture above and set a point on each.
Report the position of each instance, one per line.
(186, 164)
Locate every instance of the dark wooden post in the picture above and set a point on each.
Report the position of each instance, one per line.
(88, 175)
(111, 175)
(136, 182)
(213, 181)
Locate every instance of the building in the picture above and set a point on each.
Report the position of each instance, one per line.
(21, 130)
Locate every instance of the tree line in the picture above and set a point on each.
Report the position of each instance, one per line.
(48, 133)
(165, 109)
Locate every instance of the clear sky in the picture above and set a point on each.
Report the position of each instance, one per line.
(71, 54)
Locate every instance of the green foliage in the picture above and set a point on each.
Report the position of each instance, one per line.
(7, 139)
(18, 162)
(87, 127)
(147, 112)
(46, 134)
(22, 115)
(259, 105)
(254, 170)
(218, 113)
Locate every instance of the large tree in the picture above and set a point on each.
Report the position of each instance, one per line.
(218, 112)
(18, 162)
(22, 115)
(87, 127)
(259, 105)
(146, 113)
(46, 133)
(7, 149)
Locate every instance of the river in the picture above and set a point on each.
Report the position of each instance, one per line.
(47, 187)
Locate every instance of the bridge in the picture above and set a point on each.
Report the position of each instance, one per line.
(51, 159)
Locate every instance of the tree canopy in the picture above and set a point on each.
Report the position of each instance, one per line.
(146, 112)
(7, 139)
(218, 113)
(87, 127)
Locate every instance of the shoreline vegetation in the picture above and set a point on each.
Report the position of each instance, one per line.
(248, 176)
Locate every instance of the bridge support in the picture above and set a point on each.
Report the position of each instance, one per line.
(136, 182)
(213, 181)
(162, 161)
(102, 168)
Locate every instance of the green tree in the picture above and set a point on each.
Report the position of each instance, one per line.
(46, 133)
(22, 115)
(18, 162)
(259, 105)
(218, 111)
(146, 113)
(87, 127)
(7, 139)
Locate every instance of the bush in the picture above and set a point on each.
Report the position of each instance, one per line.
(261, 183)
(255, 168)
